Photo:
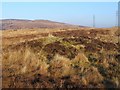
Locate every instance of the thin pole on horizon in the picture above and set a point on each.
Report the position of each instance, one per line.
(118, 23)
(116, 19)
(93, 21)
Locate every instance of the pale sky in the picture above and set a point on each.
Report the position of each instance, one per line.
(79, 13)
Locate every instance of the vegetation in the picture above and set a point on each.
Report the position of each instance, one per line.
(59, 61)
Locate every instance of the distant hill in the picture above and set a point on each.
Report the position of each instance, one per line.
(30, 24)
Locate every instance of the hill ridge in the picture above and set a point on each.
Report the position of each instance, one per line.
(30, 24)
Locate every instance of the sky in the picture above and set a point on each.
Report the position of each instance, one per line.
(78, 13)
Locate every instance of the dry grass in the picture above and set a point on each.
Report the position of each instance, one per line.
(24, 61)
(60, 66)
(50, 59)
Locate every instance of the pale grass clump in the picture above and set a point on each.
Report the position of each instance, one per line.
(92, 75)
(11, 57)
(25, 61)
(83, 67)
(105, 63)
(60, 66)
(13, 61)
(116, 81)
(35, 63)
(80, 61)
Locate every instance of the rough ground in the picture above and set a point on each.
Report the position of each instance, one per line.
(81, 58)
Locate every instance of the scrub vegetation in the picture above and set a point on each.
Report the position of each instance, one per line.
(80, 58)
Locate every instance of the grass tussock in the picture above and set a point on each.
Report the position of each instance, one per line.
(25, 61)
(60, 66)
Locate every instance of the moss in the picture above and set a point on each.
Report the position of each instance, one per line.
(50, 39)
(66, 44)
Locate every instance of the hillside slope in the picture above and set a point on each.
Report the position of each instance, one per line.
(30, 24)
